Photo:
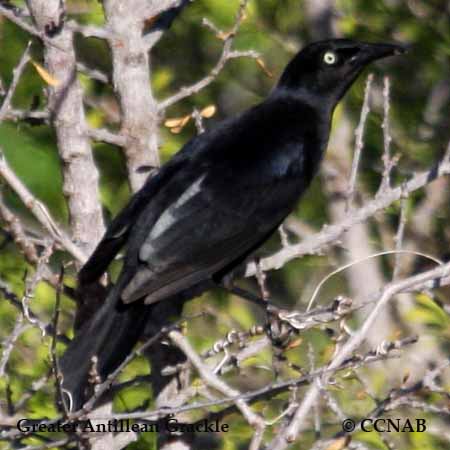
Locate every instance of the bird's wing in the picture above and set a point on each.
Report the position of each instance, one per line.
(117, 233)
(200, 233)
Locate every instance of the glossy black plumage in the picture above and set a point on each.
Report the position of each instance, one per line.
(214, 203)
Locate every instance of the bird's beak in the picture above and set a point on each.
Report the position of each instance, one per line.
(372, 52)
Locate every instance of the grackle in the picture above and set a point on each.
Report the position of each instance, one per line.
(216, 201)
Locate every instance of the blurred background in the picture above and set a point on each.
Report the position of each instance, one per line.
(277, 29)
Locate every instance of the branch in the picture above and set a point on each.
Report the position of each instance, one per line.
(17, 73)
(89, 30)
(39, 211)
(14, 301)
(15, 227)
(359, 142)
(104, 135)
(209, 378)
(8, 344)
(15, 15)
(11, 14)
(226, 55)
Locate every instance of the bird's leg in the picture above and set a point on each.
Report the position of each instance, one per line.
(227, 284)
(278, 331)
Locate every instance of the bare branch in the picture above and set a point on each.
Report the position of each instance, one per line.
(94, 74)
(89, 30)
(14, 301)
(399, 236)
(17, 73)
(15, 228)
(8, 344)
(214, 381)
(359, 141)
(226, 55)
(39, 210)
(55, 363)
(104, 135)
(20, 21)
(389, 162)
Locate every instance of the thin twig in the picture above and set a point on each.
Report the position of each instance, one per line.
(359, 142)
(226, 55)
(389, 162)
(31, 284)
(56, 369)
(214, 381)
(94, 74)
(17, 73)
(39, 210)
(101, 388)
(14, 226)
(8, 344)
(20, 22)
(399, 237)
(104, 135)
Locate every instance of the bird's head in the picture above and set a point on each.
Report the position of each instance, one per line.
(325, 70)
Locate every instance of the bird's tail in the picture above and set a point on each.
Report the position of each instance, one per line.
(100, 345)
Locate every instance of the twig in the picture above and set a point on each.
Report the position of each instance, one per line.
(399, 237)
(18, 114)
(94, 74)
(214, 381)
(20, 22)
(31, 284)
(283, 236)
(12, 15)
(39, 210)
(226, 55)
(104, 135)
(101, 388)
(17, 73)
(359, 142)
(14, 226)
(56, 369)
(16, 302)
(90, 30)
(388, 161)
(198, 121)
(9, 342)
(397, 253)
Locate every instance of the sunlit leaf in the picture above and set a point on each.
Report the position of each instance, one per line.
(45, 75)
(208, 111)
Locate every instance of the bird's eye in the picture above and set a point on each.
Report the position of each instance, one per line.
(330, 58)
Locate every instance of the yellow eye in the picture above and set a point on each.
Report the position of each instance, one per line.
(330, 58)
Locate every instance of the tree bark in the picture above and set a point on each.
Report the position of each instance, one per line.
(66, 106)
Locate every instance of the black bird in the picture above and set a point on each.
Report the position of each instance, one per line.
(213, 204)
